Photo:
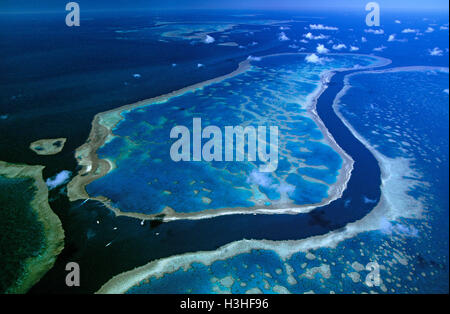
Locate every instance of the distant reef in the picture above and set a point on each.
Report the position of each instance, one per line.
(31, 233)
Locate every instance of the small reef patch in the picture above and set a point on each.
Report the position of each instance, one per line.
(48, 146)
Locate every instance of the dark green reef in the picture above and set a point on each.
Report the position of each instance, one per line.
(31, 234)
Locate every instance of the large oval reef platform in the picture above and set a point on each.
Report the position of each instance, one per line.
(127, 165)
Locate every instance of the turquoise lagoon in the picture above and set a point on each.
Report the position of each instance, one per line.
(276, 91)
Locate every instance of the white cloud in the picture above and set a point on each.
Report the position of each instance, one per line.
(321, 49)
(252, 58)
(363, 39)
(353, 48)
(310, 36)
(409, 31)
(429, 30)
(398, 22)
(374, 31)
(259, 178)
(313, 58)
(282, 37)
(322, 27)
(60, 179)
(264, 180)
(435, 52)
(391, 37)
(390, 228)
(200, 65)
(209, 39)
(379, 49)
(443, 28)
(304, 41)
(339, 46)
(446, 91)
(321, 36)
(368, 200)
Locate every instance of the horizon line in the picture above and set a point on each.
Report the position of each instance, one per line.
(340, 9)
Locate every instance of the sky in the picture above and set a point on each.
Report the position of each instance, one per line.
(56, 5)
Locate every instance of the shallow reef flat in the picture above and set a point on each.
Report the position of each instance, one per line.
(32, 235)
(261, 269)
(405, 236)
(48, 146)
(127, 163)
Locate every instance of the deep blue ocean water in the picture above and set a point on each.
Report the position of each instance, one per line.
(55, 79)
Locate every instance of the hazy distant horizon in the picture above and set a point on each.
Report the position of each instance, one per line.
(24, 6)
